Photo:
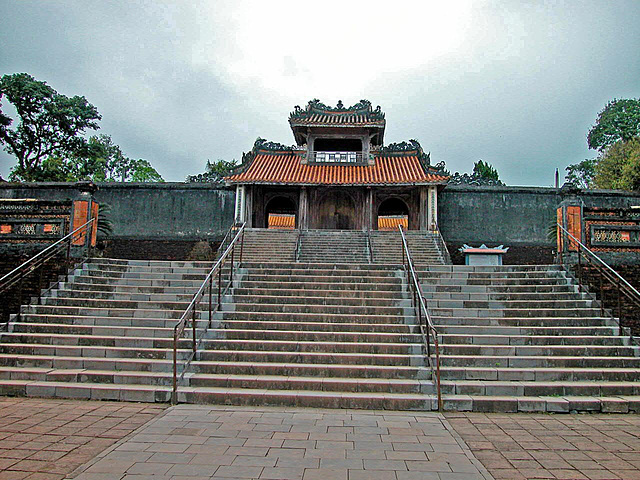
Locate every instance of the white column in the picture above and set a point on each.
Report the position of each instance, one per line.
(432, 210)
(240, 201)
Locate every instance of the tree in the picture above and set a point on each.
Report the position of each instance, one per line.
(484, 170)
(618, 121)
(618, 167)
(50, 123)
(581, 175)
(214, 173)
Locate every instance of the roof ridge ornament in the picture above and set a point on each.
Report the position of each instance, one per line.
(363, 107)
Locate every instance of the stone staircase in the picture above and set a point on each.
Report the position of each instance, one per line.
(386, 247)
(521, 338)
(334, 246)
(306, 334)
(269, 245)
(105, 334)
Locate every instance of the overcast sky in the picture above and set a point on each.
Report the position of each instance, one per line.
(515, 83)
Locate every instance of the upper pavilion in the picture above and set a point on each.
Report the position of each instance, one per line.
(339, 174)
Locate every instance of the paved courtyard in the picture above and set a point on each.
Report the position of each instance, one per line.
(46, 439)
(201, 442)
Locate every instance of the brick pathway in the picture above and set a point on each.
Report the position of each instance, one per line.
(43, 439)
(521, 446)
(200, 442)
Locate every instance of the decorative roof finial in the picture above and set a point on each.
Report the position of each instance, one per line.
(340, 105)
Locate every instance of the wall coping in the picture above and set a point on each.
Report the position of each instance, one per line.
(540, 190)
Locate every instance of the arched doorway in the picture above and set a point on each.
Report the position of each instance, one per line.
(391, 213)
(280, 213)
(336, 210)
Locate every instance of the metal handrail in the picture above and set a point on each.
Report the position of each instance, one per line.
(623, 286)
(38, 259)
(420, 305)
(442, 243)
(369, 246)
(191, 310)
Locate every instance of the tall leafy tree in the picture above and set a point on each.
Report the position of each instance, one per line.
(484, 170)
(214, 172)
(48, 123)
(618, 121)
(618, 167)
(582, 174)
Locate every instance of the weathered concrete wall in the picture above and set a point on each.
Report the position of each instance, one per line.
(517, 217)
(163, 211)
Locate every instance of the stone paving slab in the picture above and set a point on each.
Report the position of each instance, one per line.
(544, 446)
(219, 442)
(45, 439)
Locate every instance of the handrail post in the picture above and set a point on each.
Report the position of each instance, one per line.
(619, 304)
(210, 288)
(233, 249)
(579, 269)
(174, 392)
(601, 293)
(241, 246)
(193, 324)
(219, 286)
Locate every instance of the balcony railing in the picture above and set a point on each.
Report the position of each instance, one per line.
(335, 157)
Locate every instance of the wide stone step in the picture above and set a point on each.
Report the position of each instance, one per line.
(335, 300)
(362, 295)
(488, 289)
(298, 369)
(540, 361)
(325, 285)
(533, 389)
(315, 399)
(86, 391)
(115, 269)
(107, 275)
(323, 270)
(469, 331)
(537, 297)
(487, 338)
(94, 351)
(359, 358)
(73, 328)
(133, 282)
(533, 306)
(317, 317)
(362, 336)
(551, 269)
(330, 328)
(540, 350)
(542, 404)
(86, 376)
(302, 346)
(319, 309)
(337, 279)
(128, 289)
(534, 313)
(114, 303)
(93, 340)
(532, 321)
(101, 312)
(52, 360)
(329, 384)
(541, 374)
(107, 321)
(131, 296)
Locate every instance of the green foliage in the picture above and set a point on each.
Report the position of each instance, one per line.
(618, 121)
(214, 173)
(581, 175)
(49, 124)
(484, 170)
(618, 167)
(105, 225)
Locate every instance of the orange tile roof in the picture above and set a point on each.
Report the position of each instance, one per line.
(285, 168)
(332, 118)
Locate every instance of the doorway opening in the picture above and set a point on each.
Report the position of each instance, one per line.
(391, 213)
(281, 214)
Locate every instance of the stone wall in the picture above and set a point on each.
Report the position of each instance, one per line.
(517, 217)
(150, 220)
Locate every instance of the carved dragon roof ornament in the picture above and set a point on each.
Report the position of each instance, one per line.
(363, 107)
